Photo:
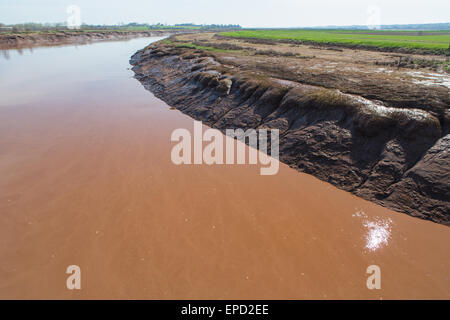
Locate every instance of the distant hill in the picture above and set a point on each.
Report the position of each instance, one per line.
(423, 26)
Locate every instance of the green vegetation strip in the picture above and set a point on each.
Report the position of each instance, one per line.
(179, 44)
(436, 41)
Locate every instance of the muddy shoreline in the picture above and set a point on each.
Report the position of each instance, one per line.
(396, 157)
(30, 40)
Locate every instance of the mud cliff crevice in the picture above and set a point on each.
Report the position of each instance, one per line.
(395, 157)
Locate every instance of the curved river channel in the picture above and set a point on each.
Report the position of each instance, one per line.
(86, 179)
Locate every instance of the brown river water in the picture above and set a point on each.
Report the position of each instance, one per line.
(86, 179)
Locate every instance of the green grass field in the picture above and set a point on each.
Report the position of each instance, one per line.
(432, 40)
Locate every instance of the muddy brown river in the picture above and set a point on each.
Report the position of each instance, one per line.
(86, 179)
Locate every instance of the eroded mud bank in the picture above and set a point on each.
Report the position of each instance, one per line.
(393, 156)
(29, 40)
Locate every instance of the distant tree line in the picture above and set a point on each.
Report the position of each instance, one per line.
(210, 26)
(34, 26)
(31, 26)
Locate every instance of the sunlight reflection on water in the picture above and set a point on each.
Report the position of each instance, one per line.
(378, 231)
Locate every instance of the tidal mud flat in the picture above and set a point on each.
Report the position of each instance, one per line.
(40, 39)
(354, 118)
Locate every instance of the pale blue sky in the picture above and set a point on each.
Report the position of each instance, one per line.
(248, 13)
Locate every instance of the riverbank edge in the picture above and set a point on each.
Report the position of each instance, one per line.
(393, 157)
(31, 40)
